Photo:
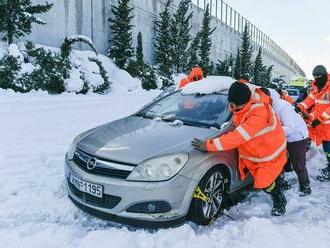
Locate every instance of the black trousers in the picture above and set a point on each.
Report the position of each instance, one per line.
(297, 158)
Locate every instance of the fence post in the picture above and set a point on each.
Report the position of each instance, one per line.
(221, 11)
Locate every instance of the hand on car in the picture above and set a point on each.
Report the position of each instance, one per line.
(199, 144)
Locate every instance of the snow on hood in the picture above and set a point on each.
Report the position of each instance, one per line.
(209, 85)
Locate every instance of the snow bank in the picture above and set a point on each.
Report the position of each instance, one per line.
(209, 85)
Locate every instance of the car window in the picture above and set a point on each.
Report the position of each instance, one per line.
(197, 110)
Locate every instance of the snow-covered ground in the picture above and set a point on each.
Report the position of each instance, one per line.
(35, 132)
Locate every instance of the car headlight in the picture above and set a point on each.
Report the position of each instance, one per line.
(159, 169)
(72, 147)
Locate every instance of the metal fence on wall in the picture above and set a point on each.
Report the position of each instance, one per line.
(230, 17)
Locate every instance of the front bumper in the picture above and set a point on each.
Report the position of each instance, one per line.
(123, 194)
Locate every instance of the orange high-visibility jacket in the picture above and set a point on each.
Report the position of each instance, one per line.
(260, 140)
(287, 97)
(320, 102)
(183, 82)
(195, 72)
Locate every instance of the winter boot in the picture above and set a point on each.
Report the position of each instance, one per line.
(282, 183)
(305, 189)
(279, 201)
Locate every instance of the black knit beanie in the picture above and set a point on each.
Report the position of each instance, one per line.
(239, 93)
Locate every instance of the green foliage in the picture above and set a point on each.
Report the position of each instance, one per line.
(121, 36)
(246, 54)
(163, 46)
(205, 41)
(139, 50)
(17, 17)
(105, 87)
(67, 45)
(50, 73)
(138, 68)
(180, 34)
(258, 70)
(225, 67)
(267, 75)
(238, 67)
(9, 69)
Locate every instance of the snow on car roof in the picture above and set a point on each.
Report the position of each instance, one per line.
(209, 85)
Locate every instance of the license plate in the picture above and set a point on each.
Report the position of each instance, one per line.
(90, 188)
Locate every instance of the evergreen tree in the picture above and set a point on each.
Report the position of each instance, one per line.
(225, 67)
(205, 41)
(246, 54)
(258, 69)
(267, 75)
(121, 36)
(138, 68)
(17, 16)
(163, 46)
(193, 53)
(9, 69)
(105, 87)
(238, 67)
(139, 50)
(180, 29)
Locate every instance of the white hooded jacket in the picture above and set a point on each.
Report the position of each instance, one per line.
(294, 126)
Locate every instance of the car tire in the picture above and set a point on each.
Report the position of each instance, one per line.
(209, 200)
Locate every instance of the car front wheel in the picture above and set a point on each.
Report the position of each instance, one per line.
(209, 198)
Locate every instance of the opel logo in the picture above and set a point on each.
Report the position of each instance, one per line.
(91, 164)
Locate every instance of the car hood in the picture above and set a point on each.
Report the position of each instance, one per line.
(134, 139)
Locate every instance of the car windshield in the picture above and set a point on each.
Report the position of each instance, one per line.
(210, 110)
(293, 92)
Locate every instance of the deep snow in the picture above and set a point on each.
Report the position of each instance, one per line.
(35, 132)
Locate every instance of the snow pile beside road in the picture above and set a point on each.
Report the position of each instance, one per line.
(209, 85)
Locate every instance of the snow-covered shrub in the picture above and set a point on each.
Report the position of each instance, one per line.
(9, 69)
(51, 70)
(67, 45)
(105, 87)
(144, 72)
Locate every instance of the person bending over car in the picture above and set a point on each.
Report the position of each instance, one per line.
(260, 140)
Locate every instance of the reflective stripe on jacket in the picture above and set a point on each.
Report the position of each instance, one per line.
(260, 140)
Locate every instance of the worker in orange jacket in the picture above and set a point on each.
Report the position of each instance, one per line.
(196, 74)
(260, 140)
(319, 117)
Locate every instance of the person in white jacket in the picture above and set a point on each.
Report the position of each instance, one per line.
(297, 133)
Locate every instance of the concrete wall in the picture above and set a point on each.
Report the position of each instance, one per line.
(90, 17)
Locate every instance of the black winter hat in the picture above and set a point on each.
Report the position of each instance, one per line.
(239, 93)
(319, 71)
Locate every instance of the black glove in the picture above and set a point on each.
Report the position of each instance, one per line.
(297, 109)
(315, 123)
(199, 145)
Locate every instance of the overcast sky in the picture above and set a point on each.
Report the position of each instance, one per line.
(300, 27)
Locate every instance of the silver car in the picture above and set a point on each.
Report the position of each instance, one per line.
(142, 170)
